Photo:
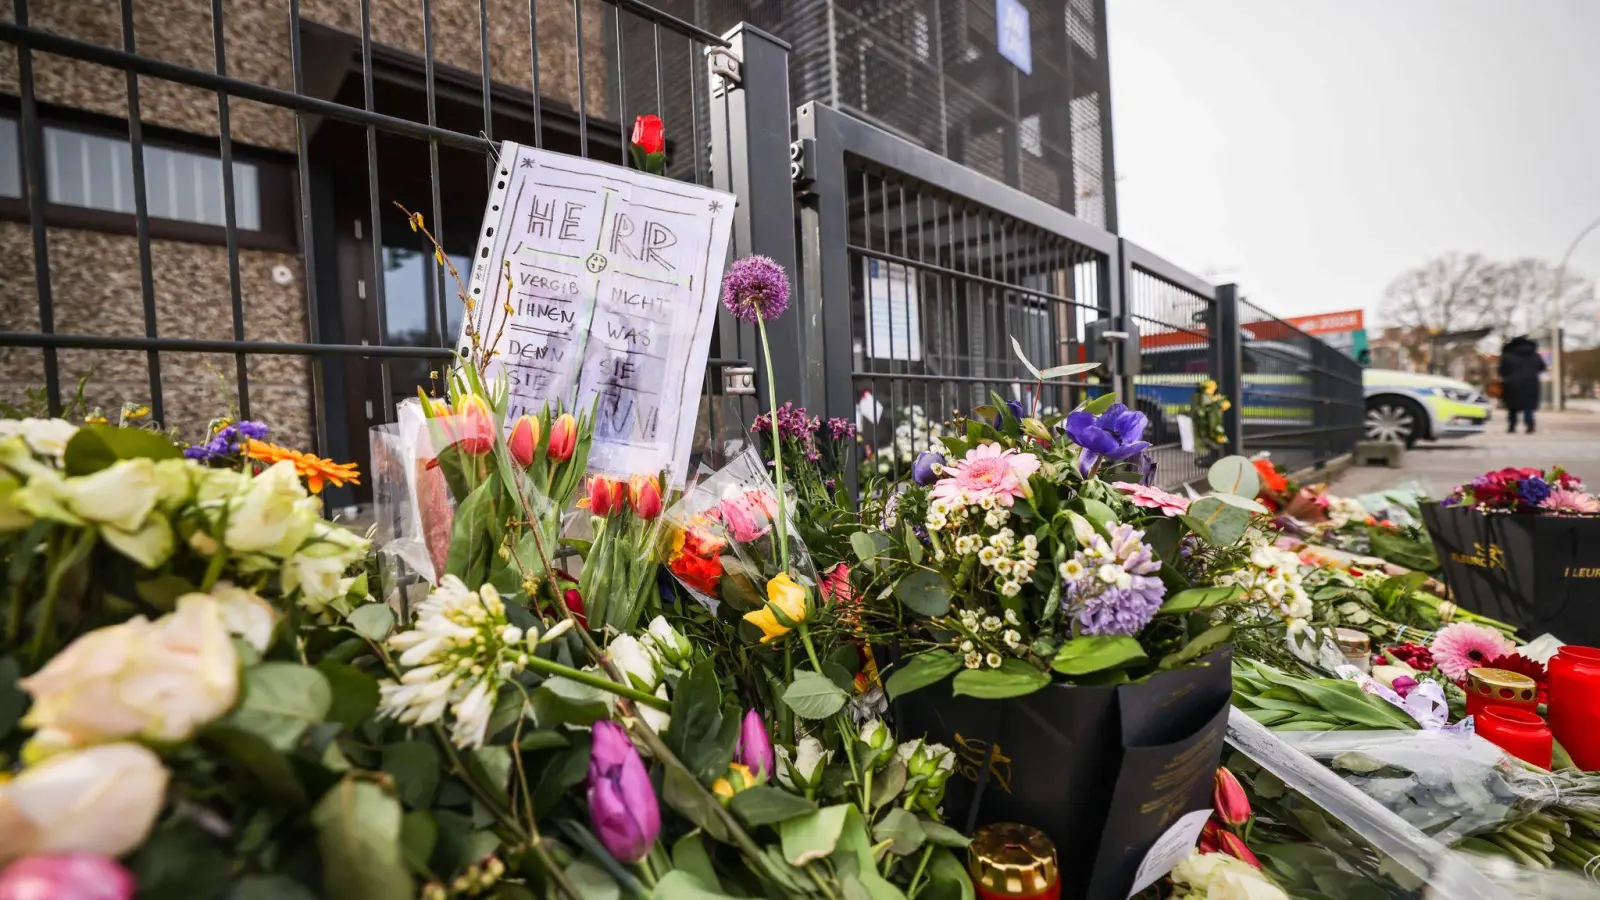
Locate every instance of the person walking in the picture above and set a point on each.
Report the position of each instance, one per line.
(1520, 367)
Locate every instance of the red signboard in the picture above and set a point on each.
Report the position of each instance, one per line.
(1330, 323)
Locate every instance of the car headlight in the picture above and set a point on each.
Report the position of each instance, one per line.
(1461, 395)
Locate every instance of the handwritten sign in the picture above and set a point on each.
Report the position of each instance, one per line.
(614, 278)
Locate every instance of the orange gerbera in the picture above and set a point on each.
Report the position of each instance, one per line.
(314, 469)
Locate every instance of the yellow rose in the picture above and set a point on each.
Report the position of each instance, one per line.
(160, 680)
(786, 597)
(101, 800)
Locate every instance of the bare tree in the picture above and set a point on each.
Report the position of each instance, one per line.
(1446, 293)
(1529, 296)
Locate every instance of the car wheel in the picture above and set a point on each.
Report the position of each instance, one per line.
(1393, 419)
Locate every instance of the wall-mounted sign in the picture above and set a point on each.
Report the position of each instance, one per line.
(1013, 35)
(614, 279)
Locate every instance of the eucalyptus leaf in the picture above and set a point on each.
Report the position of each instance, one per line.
(1234, 475)
(1067, 370)
(1244, 503)
(942, 835)
(414, 766)
(920, 671)
(925, 592)
(355, 693)
(900, 827)
(358, 833)
(1224, 524)
(372, 620)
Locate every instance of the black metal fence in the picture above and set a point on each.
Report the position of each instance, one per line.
(916, 273)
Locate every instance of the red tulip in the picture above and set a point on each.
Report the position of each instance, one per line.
(1210, 842)
(524, 440)
(606, 495)
(644, 492)
(1229, 800)
(574, 601)
(649, 135)
(1233, 845)
(563, 437)
(476, 424)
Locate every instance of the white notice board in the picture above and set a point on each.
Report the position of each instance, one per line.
(615, 280)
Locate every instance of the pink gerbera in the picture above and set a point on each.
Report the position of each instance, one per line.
(987, 471)
(1153, 498)
(1570, 501)
(1462, 646)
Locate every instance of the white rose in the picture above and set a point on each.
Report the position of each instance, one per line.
(1242, 883)
(270, 517)
(120, 495)
(634, 661)
(809, 759)
(317, 572)
(658, 720)
(174, 483)
(101, 800)
(46, 437)
(12, 516)
(156, 680)
(149, 546)
(673, 646)
(247, 615)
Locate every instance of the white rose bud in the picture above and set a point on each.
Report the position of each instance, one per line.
(875, 734)
(634, 661)
(674, 647)
(247, 615)
(102, 800)
(157, 680)
(804, 771)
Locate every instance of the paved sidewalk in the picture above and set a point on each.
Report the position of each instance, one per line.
(1570, 438)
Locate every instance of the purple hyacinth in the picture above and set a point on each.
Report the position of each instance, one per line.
(755, 288)
(1533, 491)
(1111, 586)
(1115, 435)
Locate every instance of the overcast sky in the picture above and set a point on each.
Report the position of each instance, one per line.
(1311, 150)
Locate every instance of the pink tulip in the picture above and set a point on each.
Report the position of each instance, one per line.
(72, 876)
(622, 801)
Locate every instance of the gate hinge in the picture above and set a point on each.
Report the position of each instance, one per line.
(725, 65)
(800, 154)
(739, 381)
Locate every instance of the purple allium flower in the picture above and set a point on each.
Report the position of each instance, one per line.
(1114, 435)
(755, 287)
(622, 801)
(926, 469)
(1111, 585)
(841, 429)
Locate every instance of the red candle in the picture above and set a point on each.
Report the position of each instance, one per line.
(1574, 703)
(1499, 687)
(1518, 732)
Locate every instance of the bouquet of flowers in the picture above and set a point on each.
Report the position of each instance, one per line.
(1526, 490)
(1206, 409)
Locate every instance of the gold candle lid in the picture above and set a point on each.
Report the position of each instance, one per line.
(1352, 642)
(1501, 684)
(1011, 859)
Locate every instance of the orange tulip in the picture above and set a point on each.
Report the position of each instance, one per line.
(644, 491)
(477, 426)
(524, 440)
(563, 437)
(605, 496)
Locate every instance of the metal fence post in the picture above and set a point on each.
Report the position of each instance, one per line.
(1123, 353)
(750, 116)
(1227, 362)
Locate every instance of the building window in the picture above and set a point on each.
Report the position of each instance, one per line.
(88, 183)
(96, 172)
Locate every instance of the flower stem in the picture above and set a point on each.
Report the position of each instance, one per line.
(927, 853)
(811, 651)
(777, 447)
(550, 667)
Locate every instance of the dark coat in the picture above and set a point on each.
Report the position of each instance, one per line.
(1520, 365)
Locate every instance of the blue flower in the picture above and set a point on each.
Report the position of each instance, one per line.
(1533, 490)
(925, 470)
(1016, 413)
(1114, 435)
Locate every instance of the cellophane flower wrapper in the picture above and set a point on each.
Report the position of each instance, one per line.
(412, 501)
(722, 540)
(1319, 834)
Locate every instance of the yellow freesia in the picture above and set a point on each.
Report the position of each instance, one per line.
(1211, 387)
(785, 596)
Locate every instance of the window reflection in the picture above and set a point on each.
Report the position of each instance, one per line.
(411, 306)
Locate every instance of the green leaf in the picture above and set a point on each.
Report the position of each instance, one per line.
(947, 878)
(1094, 653)
(854, 858)
(1224, 524)
(1234, 475)
(96, 447)
(355, 693)
(689, 855)
(1014, 678)
(1017, 348)
(1204, 643)
(1199, 598)
(1068, 370)
(475, 534)
(281, 700)
(12, 700)
(358, 833)
(920, 671)
(1244, 503)
(926, 592)
(766, 805)
(592, 881)
(867, 546)
(889, 782)
(813, 696)
(1100, 514)
(812, 836)
(372, 620)
(1200, 528)
(414, 766)
(270, 887)
(942, 835)
(899, 826)
(163, 591)
(702, 735)
(913, 545)
(681, 885)
(684, 794)
(271, 772)
(1100, 404)
(180, 862)
(418, 835)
